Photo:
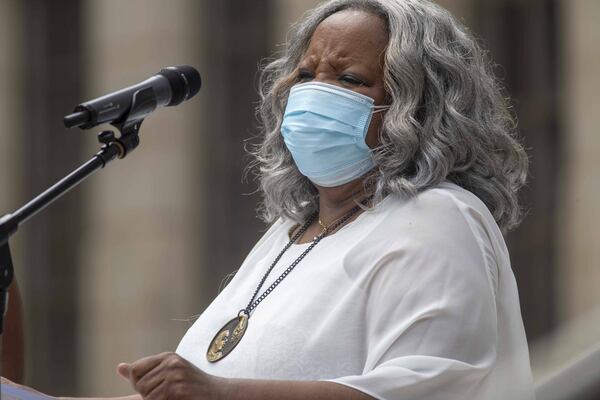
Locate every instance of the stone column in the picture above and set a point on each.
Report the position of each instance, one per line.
(10, 104)
(579, 195)
(46, 88)
(236, 36)
(140, 268)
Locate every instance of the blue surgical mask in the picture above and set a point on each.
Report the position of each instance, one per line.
(324, 128)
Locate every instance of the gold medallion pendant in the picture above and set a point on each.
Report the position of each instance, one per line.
(230, 335)
(227, 338)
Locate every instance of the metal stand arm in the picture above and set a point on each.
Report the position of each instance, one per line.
(9, 223)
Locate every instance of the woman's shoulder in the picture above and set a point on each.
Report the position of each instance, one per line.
(443, 222)
(440, 211)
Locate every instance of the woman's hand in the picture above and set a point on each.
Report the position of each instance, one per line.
(168, 376)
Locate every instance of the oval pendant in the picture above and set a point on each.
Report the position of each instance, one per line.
(227, 338)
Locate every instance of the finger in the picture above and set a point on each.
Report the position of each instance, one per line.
(152, 379)
(157, 393)
(123, 369)
(171, 367)
(144, 365)
(173, 370)
(149, 386)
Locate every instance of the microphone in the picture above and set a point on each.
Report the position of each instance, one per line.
(171, 86)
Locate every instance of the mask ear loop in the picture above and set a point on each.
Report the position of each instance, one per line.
(378, 109)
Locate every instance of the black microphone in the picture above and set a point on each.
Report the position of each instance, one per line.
(171, 86)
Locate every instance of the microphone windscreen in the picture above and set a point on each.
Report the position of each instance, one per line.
(185, 82)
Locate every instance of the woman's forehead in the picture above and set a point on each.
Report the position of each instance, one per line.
(348, 36)
(353, 26)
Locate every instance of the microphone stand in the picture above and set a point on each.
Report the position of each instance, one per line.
(144, 102)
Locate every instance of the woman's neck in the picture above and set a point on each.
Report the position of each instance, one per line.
(336, 201)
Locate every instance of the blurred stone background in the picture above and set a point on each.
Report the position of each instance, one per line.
(117, 269)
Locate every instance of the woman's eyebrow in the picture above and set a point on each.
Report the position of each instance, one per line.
(337, 62)
(308, 61)
(342, 62)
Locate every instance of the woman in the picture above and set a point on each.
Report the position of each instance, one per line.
(388, 168)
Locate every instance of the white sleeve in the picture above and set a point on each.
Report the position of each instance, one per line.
(431, 312)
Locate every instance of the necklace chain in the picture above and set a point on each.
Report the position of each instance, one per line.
(326, 227)
(254, 301)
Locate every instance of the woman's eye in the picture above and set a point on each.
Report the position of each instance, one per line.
(351, 80)
(304, 76)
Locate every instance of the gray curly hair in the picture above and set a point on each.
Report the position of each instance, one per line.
(448, 120)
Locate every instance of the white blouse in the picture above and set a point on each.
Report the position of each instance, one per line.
(414, 299)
